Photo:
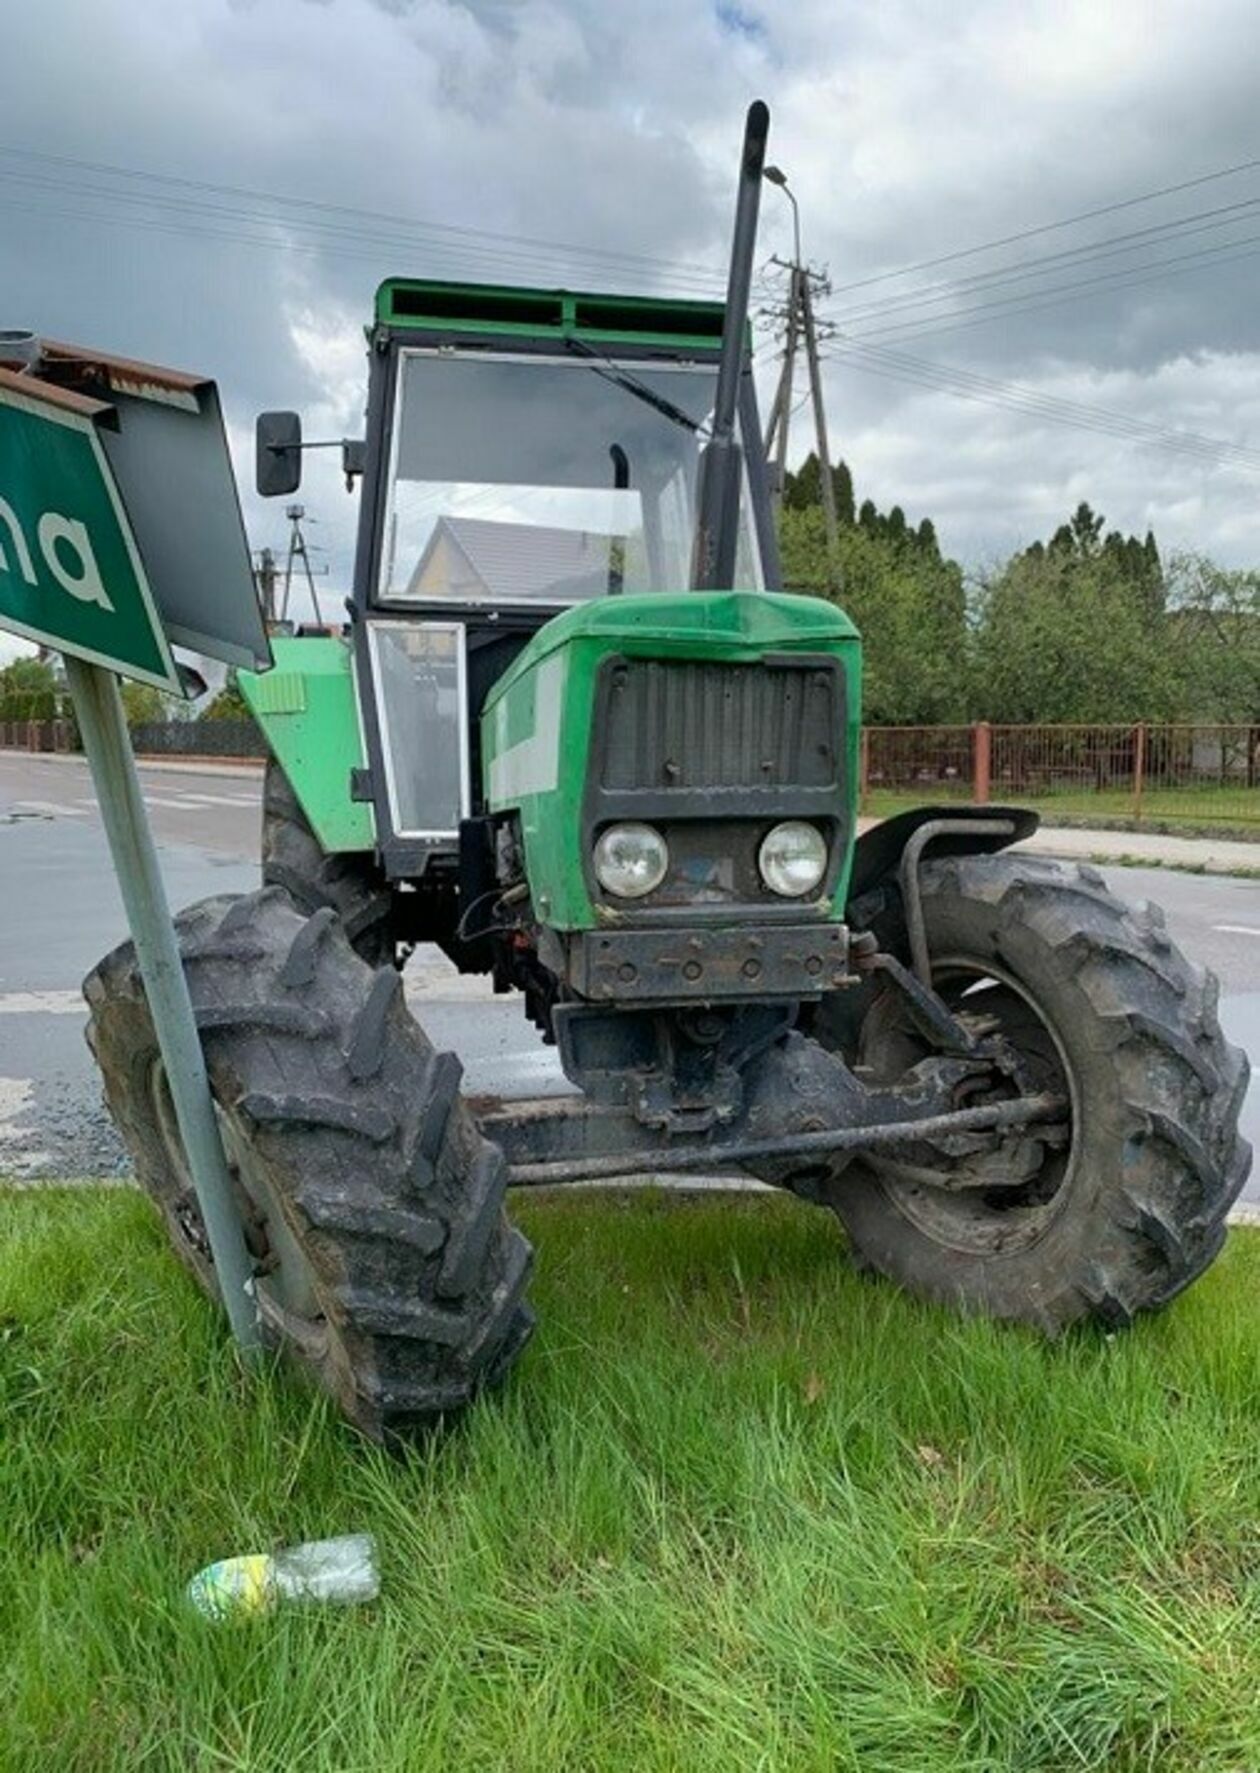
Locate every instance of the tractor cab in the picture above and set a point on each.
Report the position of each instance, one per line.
(527, 450)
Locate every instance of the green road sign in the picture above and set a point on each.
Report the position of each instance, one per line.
(71, 576)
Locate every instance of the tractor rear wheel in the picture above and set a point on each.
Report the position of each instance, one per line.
(373, 1207)
(1124, 1203)
(352, 884)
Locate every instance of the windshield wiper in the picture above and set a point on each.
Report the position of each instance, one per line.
(622, 378)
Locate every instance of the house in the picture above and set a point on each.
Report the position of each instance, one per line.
(480, 560)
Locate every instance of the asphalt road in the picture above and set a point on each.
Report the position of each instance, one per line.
(60, 911)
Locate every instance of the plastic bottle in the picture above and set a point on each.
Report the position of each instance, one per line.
(341, 1571)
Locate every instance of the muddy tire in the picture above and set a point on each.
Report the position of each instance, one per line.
(1104, 1009)
(385, 1264)
(352, 884)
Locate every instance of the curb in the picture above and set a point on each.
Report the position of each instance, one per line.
(193, 764)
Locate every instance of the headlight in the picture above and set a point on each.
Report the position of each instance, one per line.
(631, 860)
(793, 858)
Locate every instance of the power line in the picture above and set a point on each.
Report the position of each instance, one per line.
(444, 259)
(1117, 245)
(1031, 402)
(1071, 221)
(356, 215)
(1204, 257)
(1017, 398)
(315, 215)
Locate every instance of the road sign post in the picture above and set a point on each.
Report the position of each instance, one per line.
(98, 706)
(74, 576)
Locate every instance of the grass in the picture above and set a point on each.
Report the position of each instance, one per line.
(1235, 870)
(1218, 812)
(738, 1509)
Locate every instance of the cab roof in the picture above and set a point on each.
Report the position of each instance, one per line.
(683, 327)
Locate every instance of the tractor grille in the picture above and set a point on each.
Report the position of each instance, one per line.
(677, 725)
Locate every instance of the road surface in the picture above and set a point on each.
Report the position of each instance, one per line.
(61, 912)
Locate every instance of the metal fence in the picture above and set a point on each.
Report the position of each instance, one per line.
(155, 738)
(38, 735)
(198, 738)
(1200, 774)
(1209, 775)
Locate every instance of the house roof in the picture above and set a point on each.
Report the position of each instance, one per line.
(524, 560)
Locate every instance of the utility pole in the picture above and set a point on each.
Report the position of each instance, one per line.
(266, 576)
(298, 551)
(800, 322)
(825, 481)
(781, 413)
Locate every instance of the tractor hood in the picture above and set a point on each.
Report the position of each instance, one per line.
(544, 721)
(739, 626)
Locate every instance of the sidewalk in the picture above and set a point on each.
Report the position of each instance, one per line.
(200, 766)
(1211, 855)
(1206, 855)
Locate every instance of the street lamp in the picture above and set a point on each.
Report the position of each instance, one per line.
(777, 176)
(800, 307)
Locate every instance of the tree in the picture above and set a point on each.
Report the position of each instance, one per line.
(1075, 630)
(803, 489)
(143, 704)
(229, 704)
(1213, 629)
(843, 482)
(28, 690)
(909, 606)
(1065, 634)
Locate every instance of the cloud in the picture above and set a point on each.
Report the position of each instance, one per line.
(1005, 477)
(909, 131)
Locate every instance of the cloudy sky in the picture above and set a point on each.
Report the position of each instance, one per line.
(303, 149)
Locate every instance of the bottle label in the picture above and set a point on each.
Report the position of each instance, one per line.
(233, 1586)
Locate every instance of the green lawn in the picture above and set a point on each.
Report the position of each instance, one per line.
(1235, 811)
(738, 1509)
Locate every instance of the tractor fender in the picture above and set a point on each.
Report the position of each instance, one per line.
(878, 851)
(307, 708)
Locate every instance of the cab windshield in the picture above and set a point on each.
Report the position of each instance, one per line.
(545, 479)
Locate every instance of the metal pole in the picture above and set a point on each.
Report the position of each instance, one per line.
(775, 410)
(310, 577)
(1021, 1111)
(825, 481)
(720, 478)
(790, 194)
(105, 740)
(789, 371)
(265, 575)
(981, 762)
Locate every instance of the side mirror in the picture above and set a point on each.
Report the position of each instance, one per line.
(277, 453)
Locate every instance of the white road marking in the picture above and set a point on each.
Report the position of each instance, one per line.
(218, 799)
(1237, 929)
(42, 1003)
(180, 803)
(462, 988)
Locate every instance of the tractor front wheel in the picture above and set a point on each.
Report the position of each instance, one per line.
(373, 1207)
(351, 884)
(1123, 1202)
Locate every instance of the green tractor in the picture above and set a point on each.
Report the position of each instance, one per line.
(575, 734)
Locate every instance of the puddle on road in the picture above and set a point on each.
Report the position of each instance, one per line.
(21, 1154)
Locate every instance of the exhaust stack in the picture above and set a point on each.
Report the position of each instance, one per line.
(721, 465)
